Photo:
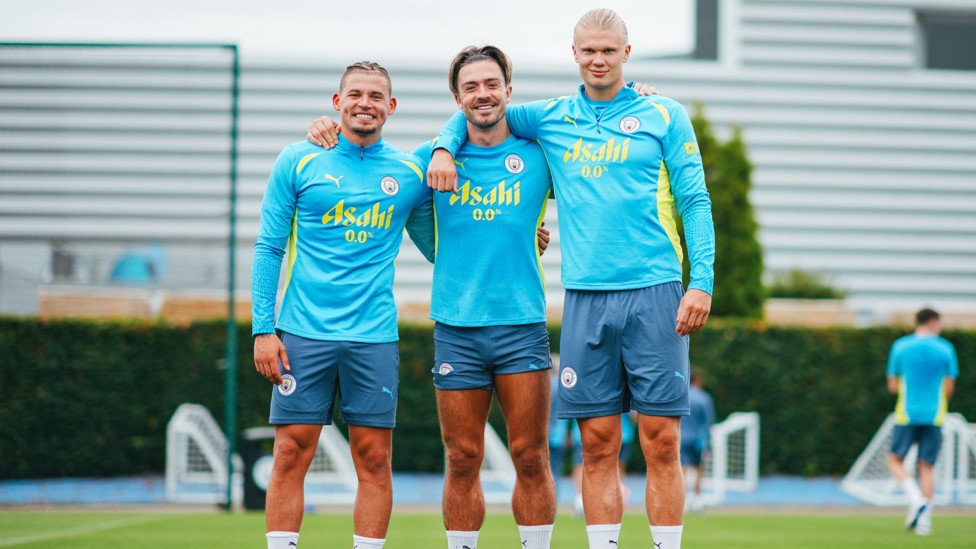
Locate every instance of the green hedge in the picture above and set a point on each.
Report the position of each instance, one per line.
(92, 399)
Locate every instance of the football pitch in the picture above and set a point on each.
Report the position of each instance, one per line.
(840, 528)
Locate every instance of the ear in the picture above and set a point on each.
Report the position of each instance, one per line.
(457, 99)
(392, 106)
(575, 56)
(626, 52)
(508, 94)
(335, 101)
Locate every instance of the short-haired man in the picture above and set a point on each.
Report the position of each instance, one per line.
(340, 214)
(620, 165)
(488, 304)
(922, 369)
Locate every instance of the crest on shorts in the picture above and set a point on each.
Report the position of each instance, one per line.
(630, 124)
(445, 369)
(514, 163)
(288, 385)
(390, 185)
(568, 377)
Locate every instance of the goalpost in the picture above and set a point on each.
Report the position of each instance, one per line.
(733, 464)
(870, 480)
(196, 470)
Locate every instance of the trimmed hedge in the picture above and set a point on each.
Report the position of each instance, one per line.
(92, 399)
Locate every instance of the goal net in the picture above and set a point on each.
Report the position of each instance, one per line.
(196, 470)
(870, 480)
(733, 463)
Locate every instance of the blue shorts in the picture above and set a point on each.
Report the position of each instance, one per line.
(928, 437)
(691, 452)
(470, 357)
(365, 374)
(619, 350)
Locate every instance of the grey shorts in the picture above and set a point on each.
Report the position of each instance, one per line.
(619, 350)
(470, 357)
(365, 375)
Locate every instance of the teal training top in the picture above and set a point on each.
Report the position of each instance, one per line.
(340, 214)
(621, 170)
(922, 363)
(488, 271)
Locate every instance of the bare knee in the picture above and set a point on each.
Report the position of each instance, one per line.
(663, 449)
(464, 456)
(374, 463)
(530, 457)
(290, 457)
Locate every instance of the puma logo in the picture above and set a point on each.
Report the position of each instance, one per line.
(573, 122)
(659, 545)
(336, 179)
(459, 163)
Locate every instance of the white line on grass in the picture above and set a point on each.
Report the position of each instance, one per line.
(110, 525)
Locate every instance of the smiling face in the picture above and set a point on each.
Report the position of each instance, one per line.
(601, 54)
(364, 103)
(483, 93)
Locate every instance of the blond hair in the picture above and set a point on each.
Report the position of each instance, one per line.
(366, 67)
(601, 19)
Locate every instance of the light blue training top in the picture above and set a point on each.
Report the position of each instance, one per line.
(488, 271)
(921, 364)
(340, 214)
(622, 170)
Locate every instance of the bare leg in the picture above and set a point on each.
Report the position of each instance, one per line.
(294, 448)
(602, 501)
(926, 479)
(524, 399)
(463, 414)
(897, 467)
(372, 454)
(660, 439)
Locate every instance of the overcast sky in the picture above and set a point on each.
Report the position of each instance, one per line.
(378, 29)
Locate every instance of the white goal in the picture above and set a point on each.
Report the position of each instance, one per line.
(196, 463)
(870, 480)
(733, 463)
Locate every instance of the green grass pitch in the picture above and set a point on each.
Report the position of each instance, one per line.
(33, 529)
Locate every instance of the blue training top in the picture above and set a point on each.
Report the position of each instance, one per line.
(620, 170)
(488, 271)
(922, 363)
(340, 213)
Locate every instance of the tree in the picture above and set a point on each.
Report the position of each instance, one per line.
(738, 255)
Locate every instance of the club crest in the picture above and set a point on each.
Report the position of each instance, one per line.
(630, 124)
(514, 164)
(389, 185)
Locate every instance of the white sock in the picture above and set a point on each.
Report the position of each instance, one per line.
(457, 539)
(601, 536)
(911, 488)
(282, 540)
(535, 537)
(360, 542)
(667, 537)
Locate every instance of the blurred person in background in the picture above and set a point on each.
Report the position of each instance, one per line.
(695, 441)
(922, 371)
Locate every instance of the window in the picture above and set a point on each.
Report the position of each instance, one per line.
(948, 40)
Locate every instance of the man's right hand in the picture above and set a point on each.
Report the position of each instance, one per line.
(442, 173)
(268, 349)
(323, 132)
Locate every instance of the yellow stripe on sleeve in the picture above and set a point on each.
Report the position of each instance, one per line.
(665, 210)
(415, 168)
(305, 160)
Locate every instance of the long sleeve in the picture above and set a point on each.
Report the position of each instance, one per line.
(683, 160)
(277, 215)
